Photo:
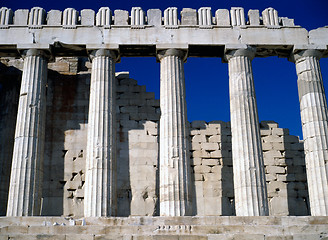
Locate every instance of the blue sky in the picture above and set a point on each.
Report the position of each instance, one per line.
(207, 78)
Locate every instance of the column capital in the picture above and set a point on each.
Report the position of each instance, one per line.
(301, 53)
(104, 52)
(182, 53)
(36, 52)
(235, 51)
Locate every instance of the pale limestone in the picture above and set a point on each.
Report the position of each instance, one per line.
(24, 197)
(175, 195)
(254, 17)
(37, 16)
(70, 17)
(189, 16)
(237, 16)
(21, 16)
(222, 17)
(100, 193)
(205, 17)
(87, 17)
(104, 17)
(154, 17)
(6, 16)
(314, 118)
(121, 17)
(54, 18)
(249, 177)
(270, 17)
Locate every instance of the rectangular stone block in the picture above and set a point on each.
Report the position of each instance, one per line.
(265, 132)
(121, 17)
(254, 17)
(166, 237)
(87, 17)
(20, 17)
(192, 237)
(195, 146)
(222, 17)
(154, 17)
(199, 139)
(280, 131)
(202, 169)
(189, 16)
(211, 146)
(79, 237)
(54, 18)
(215, 138)
(210, 162)
(279, 206)
(287, 22)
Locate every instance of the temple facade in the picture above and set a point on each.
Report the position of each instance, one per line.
(80, 141)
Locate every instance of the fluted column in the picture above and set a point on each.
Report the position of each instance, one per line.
(100, 181)
(174, 169)
(314, 118)
(248, 166)
(26, 173)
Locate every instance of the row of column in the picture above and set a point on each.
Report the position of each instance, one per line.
(174, 167)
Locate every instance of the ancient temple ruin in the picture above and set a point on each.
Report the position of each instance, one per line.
(84, 145)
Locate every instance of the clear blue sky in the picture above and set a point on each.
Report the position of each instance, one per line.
(207, 78)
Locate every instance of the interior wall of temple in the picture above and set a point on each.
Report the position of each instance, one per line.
(138, 114)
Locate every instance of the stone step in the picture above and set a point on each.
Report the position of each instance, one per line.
(171, 230)
(176, 228)
(163, 237)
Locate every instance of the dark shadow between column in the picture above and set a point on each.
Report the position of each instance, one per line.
(10, 81)
(297, 191)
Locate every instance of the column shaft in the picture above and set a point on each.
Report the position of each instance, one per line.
(174, 150)
(26, 174)
(313, 107)
(248, 166)
(100, 182)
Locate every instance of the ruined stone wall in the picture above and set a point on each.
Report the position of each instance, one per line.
(138, 116)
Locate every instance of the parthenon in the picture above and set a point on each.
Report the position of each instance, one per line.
(84, 145)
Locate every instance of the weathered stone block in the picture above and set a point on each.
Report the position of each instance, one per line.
(254, 17)
(275, 170)
(188, 16)
(279, 206)
(210, 162)
(222, 17)
(202, 169)
(87, 17)
(21, 16)
(211, 146)
(121, 17)
(154, 17)
(287, 22)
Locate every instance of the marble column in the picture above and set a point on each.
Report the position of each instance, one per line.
(25, 189)
(314, 118)
(248, 166)
(174, 169)
(100, 180)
